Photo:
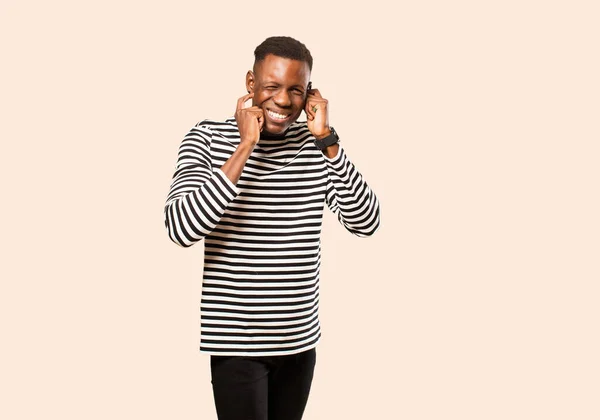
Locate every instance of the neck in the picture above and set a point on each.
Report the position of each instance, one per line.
(269, 136)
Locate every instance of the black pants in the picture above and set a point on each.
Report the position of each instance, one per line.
(261, 388)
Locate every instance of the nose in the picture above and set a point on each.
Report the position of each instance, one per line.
(282, 98)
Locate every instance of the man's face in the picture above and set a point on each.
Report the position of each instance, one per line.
(279, 86)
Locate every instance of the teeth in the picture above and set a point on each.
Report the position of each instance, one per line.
(276, 115)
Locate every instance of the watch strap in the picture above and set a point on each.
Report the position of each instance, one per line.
(331, 139)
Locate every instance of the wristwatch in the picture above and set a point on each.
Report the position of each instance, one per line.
(333, 138)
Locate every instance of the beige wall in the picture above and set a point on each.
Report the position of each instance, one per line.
(476, 124)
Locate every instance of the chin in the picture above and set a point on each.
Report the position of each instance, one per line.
(275, 129)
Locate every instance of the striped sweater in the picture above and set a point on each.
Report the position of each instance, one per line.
(260, 290)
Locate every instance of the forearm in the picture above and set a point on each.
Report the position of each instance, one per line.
(199, 194)
(194, 211)
(234, 166)
(331, 151)
(194, 208)
(350, 197)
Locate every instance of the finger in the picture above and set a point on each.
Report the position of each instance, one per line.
(243, 100)
(316, 106)
(261, 120)
(308, 109)
(254, 111)
(315, 92)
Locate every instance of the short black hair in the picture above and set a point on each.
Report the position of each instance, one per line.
(283, 46)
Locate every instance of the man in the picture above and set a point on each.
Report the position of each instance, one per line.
(254, 188)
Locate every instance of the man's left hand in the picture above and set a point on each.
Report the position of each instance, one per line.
(317, 114)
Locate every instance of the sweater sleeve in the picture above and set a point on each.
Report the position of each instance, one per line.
(349, 196)
(198, 195)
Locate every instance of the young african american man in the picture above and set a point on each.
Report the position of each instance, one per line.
(254, 188)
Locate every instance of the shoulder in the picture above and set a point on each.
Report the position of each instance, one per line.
(229, 125)
(227, 128)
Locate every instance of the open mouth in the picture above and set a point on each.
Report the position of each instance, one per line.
(276, 116)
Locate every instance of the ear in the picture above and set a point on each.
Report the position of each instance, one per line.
(250, 81)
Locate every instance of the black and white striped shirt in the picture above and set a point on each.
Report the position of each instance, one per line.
(260, 290)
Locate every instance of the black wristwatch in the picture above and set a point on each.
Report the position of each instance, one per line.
(333, 138)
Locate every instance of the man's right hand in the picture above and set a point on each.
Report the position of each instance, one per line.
(250, 120)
